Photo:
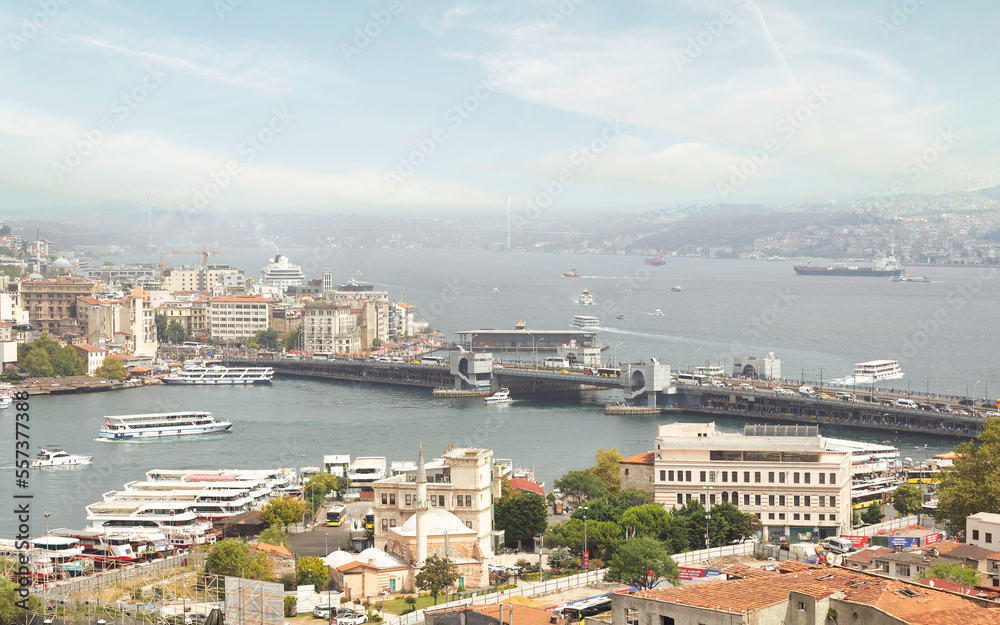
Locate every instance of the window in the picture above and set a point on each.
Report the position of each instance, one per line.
(385, 525)
(975, 534)
(392, 522)
(795, 500)
(631, 616)
(392, 499)
(434, 501)
(746, 477)
(807, 500)
(735, 475)
(670, 476)
(903, 570)
(725, 496)
(770, 477)
(385, 498)
(806, 516)
(687, 476)
(833, 517)
(833, 478)
(806, 477)
(409, 500)
(822, 500)
(735, 497)
(711, 499)
(795, 477)
(666, 620)
(802, 606)
(770, 500)
(989, 537)
(822, 478)
(822, 517)
(687, 498)
(781, 516)
(680, 498)
(756, 477)
(770, 516)
(468, 501)
(702, 477)
(468, 524)
(781, 477)
(725, 476)
(833, 503)
(458, 501)
(702, 499)
(795, 517)
(781, 500)
(663, 476)
(711, 476)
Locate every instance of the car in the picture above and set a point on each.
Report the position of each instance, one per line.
(498, 569)
(515, 570)
(351, 619)
(965, 402)
(323, 611)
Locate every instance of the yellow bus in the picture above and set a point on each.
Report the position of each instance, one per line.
(335, 516)
(923, 476)
(863, 499)
(370, 519)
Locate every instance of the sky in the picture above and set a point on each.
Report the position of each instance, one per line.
(411, 106)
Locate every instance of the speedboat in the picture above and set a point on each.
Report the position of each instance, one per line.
(677, 289)
(54, 456)
(619, 316)
(657, 313)
(500, 397)
(572, 274)
(495, 290)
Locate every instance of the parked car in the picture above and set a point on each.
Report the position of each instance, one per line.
(323, 611)
(353, 618)
(965, 402)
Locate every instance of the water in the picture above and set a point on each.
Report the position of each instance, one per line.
(827, 323)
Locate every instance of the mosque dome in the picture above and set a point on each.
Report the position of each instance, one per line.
(62, 263)
(437, 522)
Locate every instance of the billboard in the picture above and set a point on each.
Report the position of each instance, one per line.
(930, 539)
(687, 572)
(904, 541)
(858, 542)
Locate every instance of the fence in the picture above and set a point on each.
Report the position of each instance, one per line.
(528, 590)
(691, 558)
(776, 552)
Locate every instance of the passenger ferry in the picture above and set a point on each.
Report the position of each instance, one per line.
(179, 524)
(586, 322)
(213, 373)
(54, 456)
(125, 427)
(103, 548)
(871, 372)
(65, 554)
(586, 299)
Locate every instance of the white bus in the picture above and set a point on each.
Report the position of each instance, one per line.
(555, 362)
(431, 360)
(691, 378)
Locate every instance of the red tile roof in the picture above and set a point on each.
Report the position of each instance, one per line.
(277, 550)
(865, 555)
(522, 614)
(88, 348)
(518, 483)
(645, 457)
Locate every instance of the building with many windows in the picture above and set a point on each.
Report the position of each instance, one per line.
(238, 317)
(331, 327)
(48, 302)
(788, 476)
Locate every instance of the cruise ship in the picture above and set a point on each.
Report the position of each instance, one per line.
(162, 424)
(213, 373)
(282, 274)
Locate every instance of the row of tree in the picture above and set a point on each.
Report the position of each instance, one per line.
(47, 358)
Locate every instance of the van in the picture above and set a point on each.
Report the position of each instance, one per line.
(398, 360)
(845, 396)
(807, 391)
(906, 403)
(838, 545)
(718, 384)
(747, 387)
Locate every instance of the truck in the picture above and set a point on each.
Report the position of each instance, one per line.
(808, 552)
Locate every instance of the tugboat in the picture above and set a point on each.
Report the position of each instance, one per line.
(572, 274)
(657, 261)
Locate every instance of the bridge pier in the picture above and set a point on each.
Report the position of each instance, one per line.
(646, 381)
(473, 371)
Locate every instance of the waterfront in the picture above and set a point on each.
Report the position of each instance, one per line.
(726, 308)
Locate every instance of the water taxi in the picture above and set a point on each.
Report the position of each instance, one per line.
(677, 289)
(155, 425)
(500, 397)
(657, 313)
(54, 456)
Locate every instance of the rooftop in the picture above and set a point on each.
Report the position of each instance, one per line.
(645, 457)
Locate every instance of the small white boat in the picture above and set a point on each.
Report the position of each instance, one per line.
(54, 456)
(619, 316)
(657, 313)
(677, 289)
(495, 290)
(500, 397)
(6, 395)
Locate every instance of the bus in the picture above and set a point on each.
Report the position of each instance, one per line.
(431, 360)
(864, 498)
(691, 378)
(923, 475)
(370, 519)
(553, 361)
(335, 516)
(588, 607)
(608, 372)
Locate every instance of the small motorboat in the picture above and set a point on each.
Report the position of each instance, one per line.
(500, 397)
(619, 316)
(657, 313)
(54, 456)
(495, 290)
(677, 289)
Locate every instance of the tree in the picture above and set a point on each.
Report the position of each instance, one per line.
(560, 558)
(111, 369)
(734, 525)
(175, 332)
(635, 559)
(907, 499)
(232, 557)
(606, 468)
(161, 327)
(522, 516)
(649, 520)
(274, 536)
(972, 484)
(8, 600)
(267, 338)
(312, 570)
(376, 343)
(873, 514)
(65, 362)
(284, 511)
(953, 572)
(578, 486)
(612, 507)
(437, 575)
(36, 364)
(292, 339)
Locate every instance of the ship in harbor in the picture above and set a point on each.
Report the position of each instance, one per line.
(212, 372)
(656, 261)
(885, 267)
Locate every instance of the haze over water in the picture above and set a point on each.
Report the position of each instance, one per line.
(809, 322)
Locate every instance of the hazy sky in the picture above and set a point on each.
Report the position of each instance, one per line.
(412, 106)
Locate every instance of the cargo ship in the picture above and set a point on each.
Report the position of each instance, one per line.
(882, 268)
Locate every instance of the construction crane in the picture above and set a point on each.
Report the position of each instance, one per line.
(205, 253)
(161, 265)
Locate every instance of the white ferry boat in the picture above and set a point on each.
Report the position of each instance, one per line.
(54, 456)
(586, 299)
(213, 373)
(125, 427)
(180, 525)
(586, 322)
(871, 372)
(6, 395)
(103, 548)
(65, 554)
(500, 397)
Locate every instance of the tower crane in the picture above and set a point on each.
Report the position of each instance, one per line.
(205, 253)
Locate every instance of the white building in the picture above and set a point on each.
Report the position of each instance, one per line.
(234, 318)
(92, 356)
(768, 367)
(788, 476)
(332, 327)
(337, 464)
(401, 319)
(983, 530)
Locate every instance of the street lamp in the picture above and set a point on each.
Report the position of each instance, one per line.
(47, 515)
(586, 554)
(708, 518)
(974, 392)
(695, 353)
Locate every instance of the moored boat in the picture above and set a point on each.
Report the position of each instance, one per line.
(213, 373)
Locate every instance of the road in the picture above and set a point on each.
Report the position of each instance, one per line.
(321, 540)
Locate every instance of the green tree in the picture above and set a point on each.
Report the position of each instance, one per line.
(972, 484)
(521, 516)
(650, 520)
(637, 558)
(560, 558)
(606, 468)
(292, 340)
(873, 514)
(734, 525)
(274, 536)
(612, 507)
(437, 575)
(8, 600)
(284, 511)
(161, 327)
(232, 557)
(11, 271)
(376, 343)
(66, 362)
(291, 605)
(36, 363)
(578, 486)
(175, 332)
(907, 499)
(312, 570)
(111, 369)
(267, 339)
(953, 572)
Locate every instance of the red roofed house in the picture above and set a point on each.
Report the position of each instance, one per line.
(238, 317)
(524, 486)
(92, 356)
(637, 471)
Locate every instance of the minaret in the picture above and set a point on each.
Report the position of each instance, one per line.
(422, 506)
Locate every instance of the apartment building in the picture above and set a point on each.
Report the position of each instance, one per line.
(332, 327)
(401, 319)
(788, 476)
(48, 302)
(234, 318)
(462, 482)
(192, 314)
(128, 323)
